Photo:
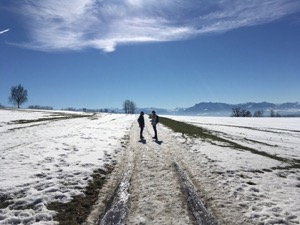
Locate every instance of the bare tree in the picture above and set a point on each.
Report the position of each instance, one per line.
(126, 106)
(259, 113)
(247, 113)
(238, 112)
(18, 95)
(129, 107)
(132, 107)
(273, 113)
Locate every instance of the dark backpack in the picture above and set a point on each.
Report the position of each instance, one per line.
(157, 119)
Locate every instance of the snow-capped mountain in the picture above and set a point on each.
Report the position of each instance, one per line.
(207, 108)
(224, 109)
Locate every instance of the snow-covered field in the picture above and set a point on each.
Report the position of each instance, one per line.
(45, 160)
(51, 157)
(264, 188)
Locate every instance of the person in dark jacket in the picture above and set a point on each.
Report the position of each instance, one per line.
(155, 120)
(141, 122)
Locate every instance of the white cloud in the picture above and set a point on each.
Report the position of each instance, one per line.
(4, 31)
(105, 24)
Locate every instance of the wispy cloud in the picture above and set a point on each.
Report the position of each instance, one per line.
(104, 24)
(4, 31)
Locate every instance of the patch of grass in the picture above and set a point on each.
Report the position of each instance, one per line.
(4, 201)
(259, 142)
(35, 122)
(77, 211)
(189, 129)
(294, 165)
(200, 132)
(63, 117)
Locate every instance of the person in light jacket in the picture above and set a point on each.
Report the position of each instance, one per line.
(141, 122)
(154, 122)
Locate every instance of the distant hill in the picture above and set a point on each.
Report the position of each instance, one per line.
(224, 109)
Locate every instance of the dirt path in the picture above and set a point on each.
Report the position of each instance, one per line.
(155, 192)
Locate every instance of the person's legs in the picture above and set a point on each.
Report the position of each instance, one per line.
(141, 132)
(155, 132)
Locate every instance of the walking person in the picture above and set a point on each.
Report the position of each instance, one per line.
(141, 122)
(154, 122)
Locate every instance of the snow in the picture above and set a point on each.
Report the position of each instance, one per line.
(49, 160)
(264, 189)
(52, 157)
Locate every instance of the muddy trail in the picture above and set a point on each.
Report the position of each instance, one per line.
(150, 185)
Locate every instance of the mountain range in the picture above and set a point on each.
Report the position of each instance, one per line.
(224, 109)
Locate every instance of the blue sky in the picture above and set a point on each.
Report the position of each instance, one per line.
(164, 54)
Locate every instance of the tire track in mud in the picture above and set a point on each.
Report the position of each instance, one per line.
(155, 191)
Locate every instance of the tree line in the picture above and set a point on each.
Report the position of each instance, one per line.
(19, 95)
(238, 112)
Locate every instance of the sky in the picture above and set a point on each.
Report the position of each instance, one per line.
(156, 53)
